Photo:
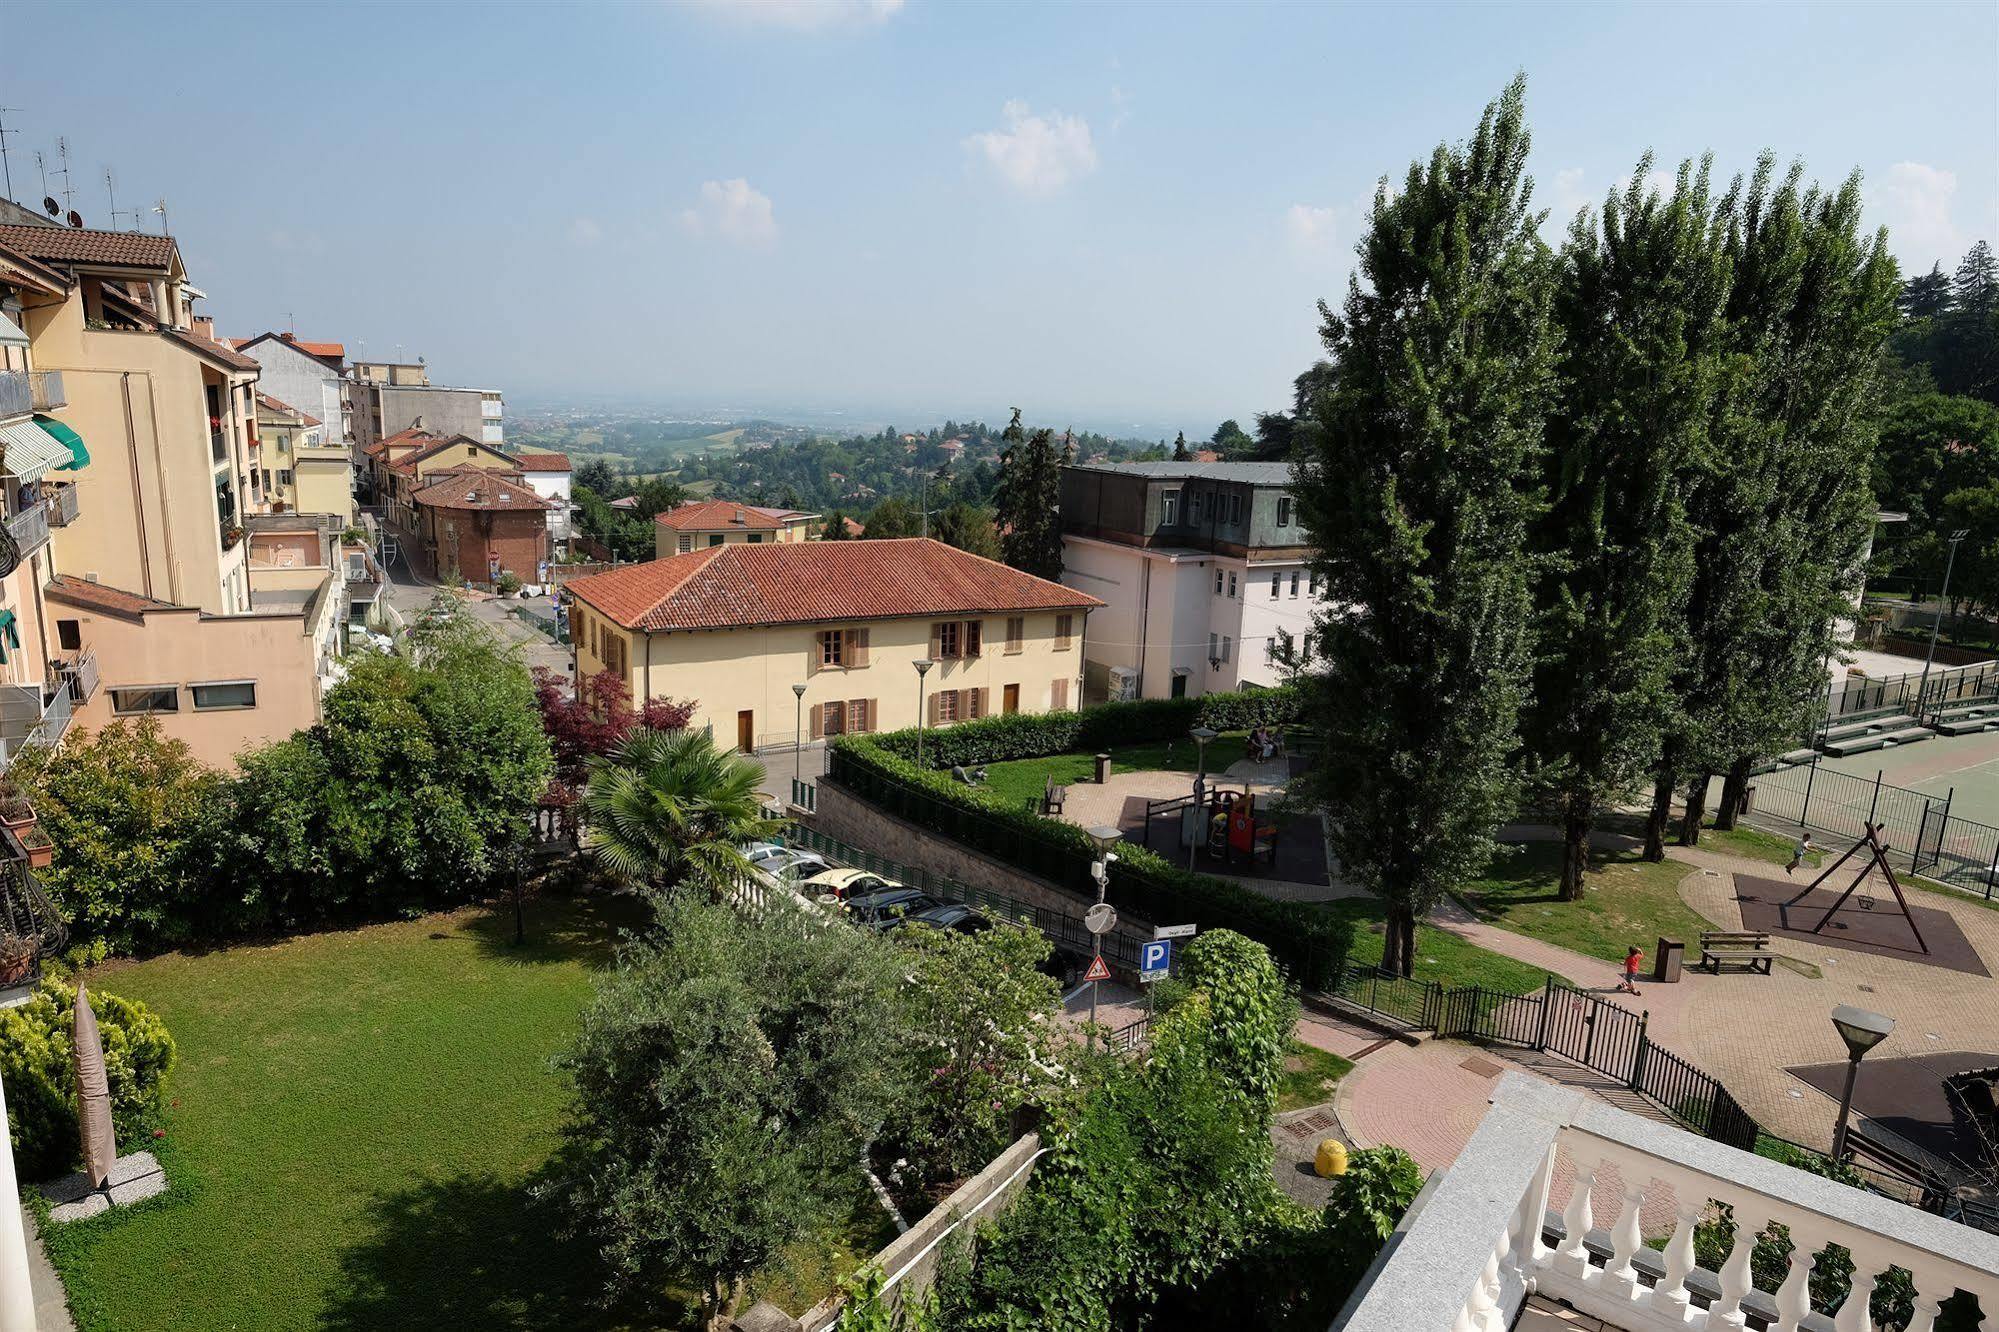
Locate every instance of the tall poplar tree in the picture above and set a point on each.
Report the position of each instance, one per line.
(1419, 474)
(1640, 305)
(1026, 499)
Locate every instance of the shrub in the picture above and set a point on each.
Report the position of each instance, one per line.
(40, 1075)
(1312, 944)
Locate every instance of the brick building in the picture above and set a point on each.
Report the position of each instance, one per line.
(479, 523)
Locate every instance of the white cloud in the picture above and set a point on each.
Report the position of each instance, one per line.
(804, 15)
(1313, 232)
(1914, 201)
(733, 211)
(585, 231)
(1036, 154)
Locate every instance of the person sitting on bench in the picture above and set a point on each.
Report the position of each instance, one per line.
(1262, 745)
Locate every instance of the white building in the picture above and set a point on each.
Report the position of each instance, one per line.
(548, 475)
(305, 375)
(1203, 568)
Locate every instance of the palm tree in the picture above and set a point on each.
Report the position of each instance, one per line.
(667, 809)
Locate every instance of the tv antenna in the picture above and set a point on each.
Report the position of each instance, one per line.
(160, 207)
(6, 167)
(62, 152)
(111, 193)
(49, 205)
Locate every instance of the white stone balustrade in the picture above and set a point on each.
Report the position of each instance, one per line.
(1469, 1256)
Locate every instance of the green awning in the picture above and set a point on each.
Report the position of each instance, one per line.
(10, 633)
(79, 456)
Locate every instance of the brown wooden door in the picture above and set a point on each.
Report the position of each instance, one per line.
(746, 731)
(1010, 699)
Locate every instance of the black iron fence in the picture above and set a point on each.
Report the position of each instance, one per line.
(1411, 1003)
(1855, 697)
(1921, 831)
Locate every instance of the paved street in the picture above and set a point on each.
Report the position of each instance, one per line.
(511, 621)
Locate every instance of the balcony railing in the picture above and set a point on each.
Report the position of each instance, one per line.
(45, 387)
(17, 398)
(1484, 1237)
(30, 528)
(79, 671)
(60, 501)
(31, 716)
(218, 446)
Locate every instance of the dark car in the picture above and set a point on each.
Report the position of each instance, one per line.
(886, 908)
(951, 916)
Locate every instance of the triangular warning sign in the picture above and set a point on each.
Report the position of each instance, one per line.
(1098, 971)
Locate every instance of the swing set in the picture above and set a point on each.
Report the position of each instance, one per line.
(1877, 858)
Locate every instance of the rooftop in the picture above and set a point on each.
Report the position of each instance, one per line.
(478, 488)
(83, 245)
(712, 515)
(103, 597)
(1250, 473)
(273, 405)
(741, 585)
(543, 462)
(332, 352)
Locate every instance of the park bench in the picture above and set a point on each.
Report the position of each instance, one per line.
(1053, 797)
(1749, 947)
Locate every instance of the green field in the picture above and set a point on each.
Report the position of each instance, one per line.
(1019, 779)
(1312, 1082)
(1625, 900)
(1440, 955)
(357, 1126)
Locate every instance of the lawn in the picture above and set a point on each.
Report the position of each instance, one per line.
(1022, 779)
(1312, 1081)
(1741, 840)
(358, 1121)
(1440, 955)
(1626, 900)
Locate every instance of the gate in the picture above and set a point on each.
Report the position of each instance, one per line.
(1594, 1033)
(1928, 849)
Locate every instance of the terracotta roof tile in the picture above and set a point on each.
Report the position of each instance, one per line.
(476, 488)
(72, 245)
(543, 462)
(272, 404)
(208, 347)
(718, 515)
(102, 596)
(408, 462)
(739, 585)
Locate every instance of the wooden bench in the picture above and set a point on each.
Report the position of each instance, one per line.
(1053, 797)
(1749, 947)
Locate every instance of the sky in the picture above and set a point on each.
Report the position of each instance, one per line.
(1114, 215)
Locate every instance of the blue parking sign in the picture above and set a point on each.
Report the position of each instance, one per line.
(1155, 959)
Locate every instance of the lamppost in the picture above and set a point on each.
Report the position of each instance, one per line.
(923, 665)
(1104, 838)
(1201, 734)
(1943, 599)
(1862, 1031)
(798, 736)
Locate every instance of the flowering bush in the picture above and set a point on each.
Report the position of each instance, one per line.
(39, 1070)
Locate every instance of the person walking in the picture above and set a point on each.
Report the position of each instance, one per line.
(1632, 959)
(1799, 852)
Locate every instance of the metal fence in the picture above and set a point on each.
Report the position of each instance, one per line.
(1411, 1003)
(1856, 696)
(1922, 833)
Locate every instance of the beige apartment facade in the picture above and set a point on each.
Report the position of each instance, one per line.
(736, 629)
(301, 472)
(698, 524)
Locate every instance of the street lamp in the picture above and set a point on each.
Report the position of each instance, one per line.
(923, 665)
(1862, 1031)
(1201, 734)
(798, 734)
(1943, 599)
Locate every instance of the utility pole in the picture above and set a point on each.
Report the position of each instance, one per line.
(1936, 623)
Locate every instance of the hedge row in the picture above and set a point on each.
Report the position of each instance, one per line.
(1108, 725)
(38, 1062)
(1310, 944)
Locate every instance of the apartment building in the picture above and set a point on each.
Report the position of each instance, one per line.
(147, 595)
(311, 376)
(698, 524)
(779, 643)
(410, 468)
(479, 523)
(387, 397)
(301, 471)
(1204, 569)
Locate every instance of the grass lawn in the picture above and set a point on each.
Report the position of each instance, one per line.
(1742, 840)
(1313, 1080)
(1021, 779)
(1626, 900)
(358, 1121)
(1440, 955)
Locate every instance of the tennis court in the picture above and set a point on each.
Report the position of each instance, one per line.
(1963, 767)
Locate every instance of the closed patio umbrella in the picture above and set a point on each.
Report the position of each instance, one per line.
(93, 1095)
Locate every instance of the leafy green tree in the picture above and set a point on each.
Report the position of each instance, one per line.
(726, 1076)
(596, 475)
(1026, 499)
(1926, 297)
(668, 809)
(655, 497)
(835, 527)
(1180, 450)
(1231, 441)
(969, 529)
(890, 519)
(1641, 301)
(1418, 477)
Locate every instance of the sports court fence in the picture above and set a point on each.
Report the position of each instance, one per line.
(1921, 832)
(1856, 696)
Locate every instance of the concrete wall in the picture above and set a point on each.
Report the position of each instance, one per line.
(445, 411)
(671, 541)
(300, 381)
(1263, 617)
(323, 482)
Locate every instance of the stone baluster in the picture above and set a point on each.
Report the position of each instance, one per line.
(1670, 1297)
(1854, 1313)
(1529, 1253)
(1794, 1297)
(1735, 1276)
(1620, 1278)
(1572, 1258)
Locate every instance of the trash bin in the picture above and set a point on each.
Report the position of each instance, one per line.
(1667, 961)
(1103, 768)
(1749, 800)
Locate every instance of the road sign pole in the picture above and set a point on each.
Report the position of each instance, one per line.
(1094, 983)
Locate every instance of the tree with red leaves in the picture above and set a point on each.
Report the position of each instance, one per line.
(594, 717)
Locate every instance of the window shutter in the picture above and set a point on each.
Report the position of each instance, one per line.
(936, 641)
(818, 721)
(857, 647)
(813, 648)
(974, 632)
(936, 706)
(1058, 695)
(873, 713)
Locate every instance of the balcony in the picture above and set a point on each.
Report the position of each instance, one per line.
(59, 498)
(1483, 1238)
(31, 717)
(78, 670)
(218, 444)
(45, 387)
(17, 396)
(30, 528)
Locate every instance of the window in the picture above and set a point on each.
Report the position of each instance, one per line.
(1276, 584)
(1064, 631)
(1231, 583)
(1312, 583)
(1214, 647)
(69, 635)
(162, 698)
(944, 636)
(974, 631)
(285, 476)
(1226, 642)
(831, 716)
(1169, 508)
(1058, 695)
(946, 704)
(1284, 511)
(1016, 630)
(716, 539)
(1294, 583)
(832, 648)
(1235, 508)
(214, 697)
(1218, 582)
(756, 537)
(686, 542)
(858, 718)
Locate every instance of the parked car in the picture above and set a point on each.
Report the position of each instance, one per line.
(791, 866)
(845, 883)
(950, 916)
(887, 907)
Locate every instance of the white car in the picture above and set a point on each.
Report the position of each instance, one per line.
(779, 862)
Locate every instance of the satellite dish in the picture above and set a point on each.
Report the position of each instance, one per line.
(51, 207)
(75, 218)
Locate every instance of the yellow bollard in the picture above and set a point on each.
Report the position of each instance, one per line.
(1331, 1159)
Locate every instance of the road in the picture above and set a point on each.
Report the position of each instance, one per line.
(410, 594)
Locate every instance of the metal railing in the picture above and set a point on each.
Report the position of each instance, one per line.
(805, 796)
(45, 387)
(30, 529)
(1922, 833)
(79, 670)
(17, 397)
(59, 500)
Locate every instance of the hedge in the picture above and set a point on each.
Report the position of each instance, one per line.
(38, 1067)
(1310, 944)
(1023, 735)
